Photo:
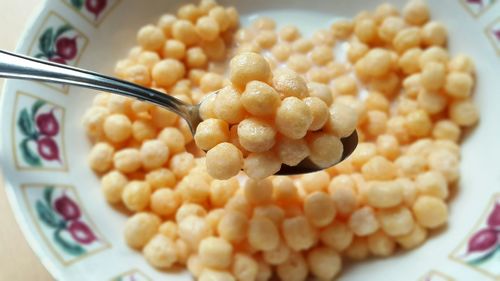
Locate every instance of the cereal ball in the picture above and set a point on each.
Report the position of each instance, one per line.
(93, 120)
(410, 165)
(418, 123)
(173, 138)
(263, 235)
(185, 32)
(416, 12)
(143, 130)
(337, 235)
(101, 157)
(206, 109)
(256, 135)
(233, 17)
(136, 195)
(320, 91)
(246, 67)
(160, 251)
(409, 62)
(342, 29)
(212, 275)
(316, 181)
(194, 264)
(189, 12)
(162, 118)
(180, 164)
(322, 54)
(174, 49)
(362, 222)
(433, 54)
(168, 229)
(140, 228)
(463, 112)
(319, 111)
(431, 102)
(433, 76)
(261, 165)
(387, 85)
(461, 63)
(298, 63)
(430, 212)
(284, 190)
(378, 62)
(384, 194)
(358, 250)
(302, 45)
(292, 152)
(154, 154)
(366, 30)
(211, 132)
(193, 230)
(127, 160)
(161, 178)
(325, 149)
(445, 162)
(189, 209)
(446, 130)
(346, 85)
(412, 85)
(294, 269)
(150, 37)
(230, 166)
(434, 33)
(219, 14)
(137, 74)
(379, 168)
(289, 33)
(432, 183)
(165, 24)
(363, 152)
(112, 185)
(195, 57)
(389, 27)
(195, 188)
(388, 146)
(119, 104)
(396, 221)
(380, 244)
(277, 255)
(319, 209)
(458, 84)
(343, 192)
(258, 192)
(343, 120)
(211, 82)
(413, 239)
(396, 127)
(167, 72)
(148, 58)
(324, 263)
(244, 267)
(266, 39)
(260, 99)
(164, 202)
(207, 28)
(299, 234)
(289, 84)
(117, 128)
(293, 118)
(406, 39)
(233, 226)
(281, 51)
(216, 253)
(228, 106)
(215, 50)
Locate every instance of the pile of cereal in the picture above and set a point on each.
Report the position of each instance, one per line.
(411, 98)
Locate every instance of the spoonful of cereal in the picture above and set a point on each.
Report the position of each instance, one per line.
(263, 123)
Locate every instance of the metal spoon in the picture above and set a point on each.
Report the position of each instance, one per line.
(28, 68)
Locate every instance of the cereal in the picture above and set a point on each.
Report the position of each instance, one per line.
(160, 251)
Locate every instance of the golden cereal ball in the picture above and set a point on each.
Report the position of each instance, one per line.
(434, 54)
(298, 63)
(168, 229)
(215, 50)
(136, 195)
(246, 67)
(366, 30)
(432, 183)
(277, 255)
(140, 228)
(196, 58)
(220, 15)
(212, 275)
(325, 149)
(388, 85)
(316, 181)
(119, 104)
(233, 17)
(162, 117)
(323, 37)
(463, 112)
(214, 217)
(193, 230)
(358, 249)
(302, 45)
(167, 72)
(101, 157)
(363, 152)
(121, 67)
(388, 146)
(421, 147)
(389, 27)
(164, 202)
(396, 221)
(431, 102)
(183, 252)
(281, 51)
(154, 154)
(433, 76)
(256, 135)
(363, 222)
(266, 39)
(380, 244)
(143, 130)
(244, 267)
(150, 37)
(189, 12)
(396, 127)
(324, 263)
(337, 235)
(165, 24)
(284, 190)
(211, 132)
(189, 209)
(216, 253)
(174, 49)
(343, 120)
(413, 239)
(222, 190)
(342, 29)
(320, 91)
(160, 251)
(137, 74)
(322, 54)
(206, 109)
(260, 165)
(185, 31)
(263, 234)
(224, 161)
(181, 163)
(434, 33)
(416, 12)
(211, 82)
(406, 39)
(319, 111)
(446, 130)
(384, 194)
(445, 162)
(93, 121)
(206, 5)
(233, 226)
(378, 62)
(319, 209)
(409, 191)
(430, 212)
(406, 105)
(289, 33)
(294, 269)
(385, 10)
(258, 191)
(195, 188)
(379, 168)
(117, 127)
(293, 118)
(148, 58)
(418, 123)
(161, 178)
(207, 28)
(290, 84)
(376, 122)
(228, 106)
(299, 234)
(409, 61)
(458, 84)
(356, 50)
(273, 212)
(127, 160)
(112, 185)
(461, 63)
(346, 85)
(342, 188)
(173, 138)
(260, 99)
(239, 203)
(194, 264)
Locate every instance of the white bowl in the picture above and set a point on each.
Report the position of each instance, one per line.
(30, 180)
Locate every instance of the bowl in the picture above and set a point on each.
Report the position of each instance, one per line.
(84, 240)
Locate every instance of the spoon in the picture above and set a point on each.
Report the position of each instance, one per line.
(23, 67)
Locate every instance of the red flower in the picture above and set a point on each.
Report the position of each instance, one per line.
(47, 124)
(81, 232)
(494, 217)
(96, 6)
(67, 208)
(66, 47)
(47, 148)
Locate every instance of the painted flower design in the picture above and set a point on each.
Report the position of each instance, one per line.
(40, 128)
(95, 7)
(57, 46)
(63, 215)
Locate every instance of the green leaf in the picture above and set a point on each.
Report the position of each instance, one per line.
(62, 30)
(35, 107)
(25, 124)
(41, 56)
(77, 3)
(68, 247)
(479, 261)
(47, 195)
(45, 42)
(46, 214)
(28, 155)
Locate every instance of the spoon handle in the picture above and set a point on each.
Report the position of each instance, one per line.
(28, 68)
